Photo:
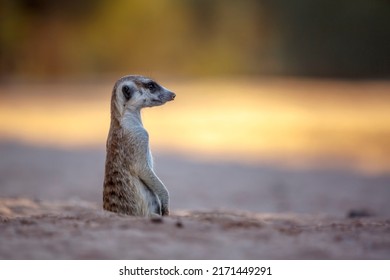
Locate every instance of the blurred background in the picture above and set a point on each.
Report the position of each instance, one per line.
(46, 40)
(275, 98)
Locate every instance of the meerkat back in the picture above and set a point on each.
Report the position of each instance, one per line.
(130, 184)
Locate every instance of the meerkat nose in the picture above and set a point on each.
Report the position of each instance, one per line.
(173, 96)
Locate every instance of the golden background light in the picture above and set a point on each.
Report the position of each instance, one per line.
(294, 122)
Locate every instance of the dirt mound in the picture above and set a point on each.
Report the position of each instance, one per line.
(81, 230)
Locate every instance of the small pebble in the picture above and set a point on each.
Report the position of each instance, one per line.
(179, 224)
(359, 213)
(156, 219)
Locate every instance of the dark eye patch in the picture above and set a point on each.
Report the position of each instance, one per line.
(152, 86)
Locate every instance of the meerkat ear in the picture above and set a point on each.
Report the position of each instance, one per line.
(127, 92)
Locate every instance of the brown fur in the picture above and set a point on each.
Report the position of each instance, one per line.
(130, 184)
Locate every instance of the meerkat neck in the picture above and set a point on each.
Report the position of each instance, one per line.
(132, 118)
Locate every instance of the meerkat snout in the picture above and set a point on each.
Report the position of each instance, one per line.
(173, 95)
(130, 183)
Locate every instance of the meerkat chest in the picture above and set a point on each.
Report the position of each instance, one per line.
(138, 139)
(141, 139)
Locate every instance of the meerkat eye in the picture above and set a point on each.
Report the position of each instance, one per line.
(151, 86)
(126, 92)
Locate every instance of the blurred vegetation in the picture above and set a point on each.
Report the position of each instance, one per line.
(44, 39)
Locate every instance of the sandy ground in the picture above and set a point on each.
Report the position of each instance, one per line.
(50, 208)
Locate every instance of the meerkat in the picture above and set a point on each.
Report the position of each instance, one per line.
(130, 184)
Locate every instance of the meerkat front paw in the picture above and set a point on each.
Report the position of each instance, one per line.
(165, 210)
(164, 203)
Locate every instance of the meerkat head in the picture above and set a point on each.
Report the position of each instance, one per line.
(136, 92)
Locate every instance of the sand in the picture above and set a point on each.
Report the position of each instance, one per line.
(50, 208)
